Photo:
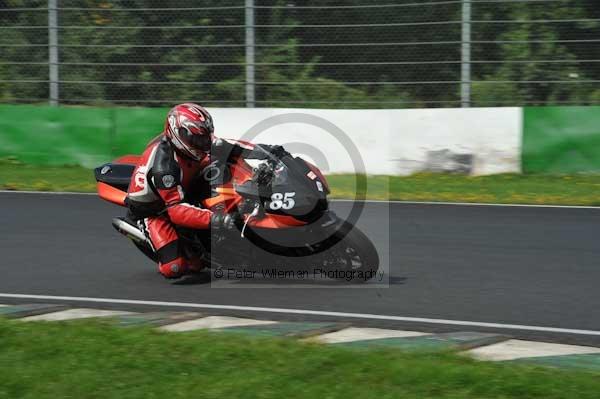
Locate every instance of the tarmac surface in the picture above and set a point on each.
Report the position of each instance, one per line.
(522, 271)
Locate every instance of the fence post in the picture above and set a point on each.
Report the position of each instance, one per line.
(465, 79)
(250, 86)
(53, 51)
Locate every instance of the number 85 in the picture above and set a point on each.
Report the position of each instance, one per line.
(282, 201)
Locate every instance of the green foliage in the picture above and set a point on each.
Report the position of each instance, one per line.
(485, 93)
(529, 51)
(295, 74)
(305, 86)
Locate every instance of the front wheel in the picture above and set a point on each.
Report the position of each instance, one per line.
(353, 258)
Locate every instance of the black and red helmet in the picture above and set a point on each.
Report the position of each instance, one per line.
(189, 127)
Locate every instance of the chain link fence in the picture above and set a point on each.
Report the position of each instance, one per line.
(300, 53)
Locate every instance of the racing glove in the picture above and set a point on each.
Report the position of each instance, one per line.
(224, 221)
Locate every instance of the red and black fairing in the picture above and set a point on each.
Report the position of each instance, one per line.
(282, 200)
(244, 189)
(112, 180)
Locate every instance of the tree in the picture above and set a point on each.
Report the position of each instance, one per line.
(528, 53)
(308, 55)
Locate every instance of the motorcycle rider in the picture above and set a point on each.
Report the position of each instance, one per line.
(158, 187)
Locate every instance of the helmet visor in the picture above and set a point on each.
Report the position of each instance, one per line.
(199, 141)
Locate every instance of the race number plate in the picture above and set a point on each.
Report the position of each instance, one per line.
(279, 201)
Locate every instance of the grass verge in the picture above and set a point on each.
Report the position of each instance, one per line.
(534, 189)
(18, 176)
(93, 359)
(507, 188)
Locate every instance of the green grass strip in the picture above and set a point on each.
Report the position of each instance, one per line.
(537, 189)
(94, 359)
(18, 176)
(507, 188)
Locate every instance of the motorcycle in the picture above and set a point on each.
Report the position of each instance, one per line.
(284, 217)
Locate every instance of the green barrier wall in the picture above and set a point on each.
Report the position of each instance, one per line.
(75, 135)
(555, 139)
(561, 139)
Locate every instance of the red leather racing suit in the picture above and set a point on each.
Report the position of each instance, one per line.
(156, 194)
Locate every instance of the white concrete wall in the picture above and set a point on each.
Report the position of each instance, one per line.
(492, 135)
(395, 142)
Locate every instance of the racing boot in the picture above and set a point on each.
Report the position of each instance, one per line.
(174, 269)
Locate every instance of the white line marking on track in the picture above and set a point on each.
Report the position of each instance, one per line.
(349, 200)
(308, 312)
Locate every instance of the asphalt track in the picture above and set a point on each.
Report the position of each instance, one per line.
(507, 265)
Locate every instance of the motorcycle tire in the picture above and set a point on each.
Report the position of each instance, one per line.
(353, 256)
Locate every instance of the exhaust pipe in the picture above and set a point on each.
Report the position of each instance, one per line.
(129, 230)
